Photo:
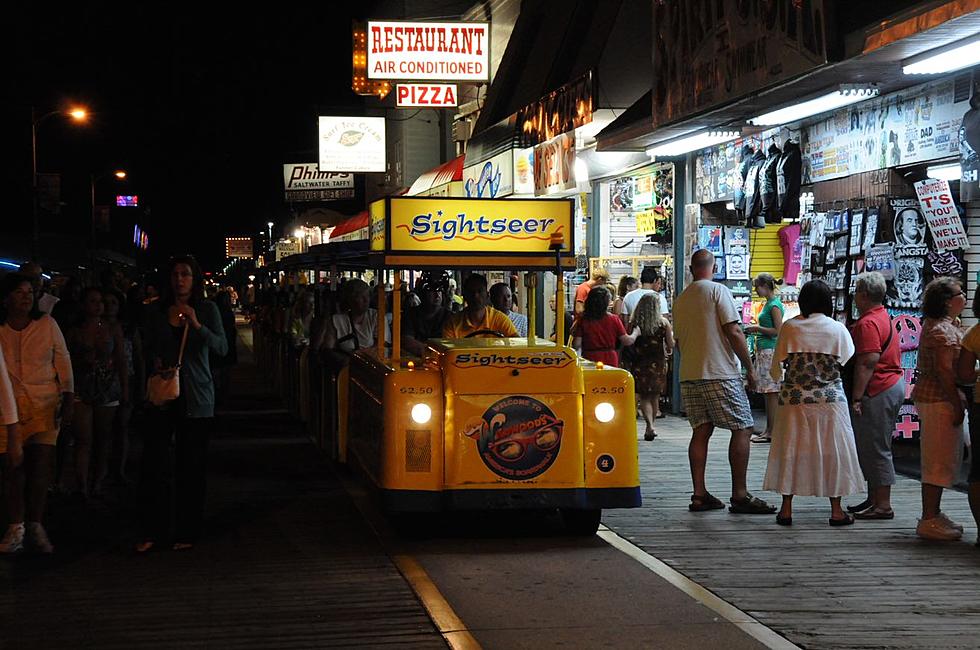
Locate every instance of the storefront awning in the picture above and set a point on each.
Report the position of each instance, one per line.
(355, 223)
(872, 56)
(441, 175)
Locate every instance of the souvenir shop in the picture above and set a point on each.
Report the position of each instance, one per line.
(875, 186)
(635, 228)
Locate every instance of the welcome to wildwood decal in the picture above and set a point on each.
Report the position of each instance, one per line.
(461, 225)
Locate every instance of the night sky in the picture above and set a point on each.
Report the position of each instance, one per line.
(201, 110)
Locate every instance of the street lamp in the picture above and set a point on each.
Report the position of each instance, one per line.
(76, 113)
(120, 174)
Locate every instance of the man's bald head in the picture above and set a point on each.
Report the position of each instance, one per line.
(702, 264)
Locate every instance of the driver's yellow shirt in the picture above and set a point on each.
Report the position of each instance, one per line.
(458, 326)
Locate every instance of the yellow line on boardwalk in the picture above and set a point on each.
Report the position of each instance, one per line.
(450, 626)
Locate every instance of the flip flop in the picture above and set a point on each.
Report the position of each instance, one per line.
(874, 513)
(860, 507)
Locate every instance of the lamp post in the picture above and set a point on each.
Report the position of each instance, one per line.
(78, 114)
(93, 179)
(270, 224)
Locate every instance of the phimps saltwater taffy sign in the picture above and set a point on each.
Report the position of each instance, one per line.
(428, 51)
(440, 225)
(941, 215)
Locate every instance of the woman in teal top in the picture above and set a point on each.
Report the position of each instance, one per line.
(183, 426)
(770, 320)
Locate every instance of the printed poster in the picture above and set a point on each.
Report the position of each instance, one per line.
(880, 258)
(940, 213)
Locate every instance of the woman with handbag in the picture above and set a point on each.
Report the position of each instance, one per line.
(652, 348)
(182, 328)
(40, 372)
(101, 386)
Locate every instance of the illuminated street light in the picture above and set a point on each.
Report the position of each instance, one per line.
(120, 174)
(78, 114)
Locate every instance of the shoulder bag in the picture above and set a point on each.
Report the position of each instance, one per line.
(164, 387)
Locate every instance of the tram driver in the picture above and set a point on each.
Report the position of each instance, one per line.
(478, 316)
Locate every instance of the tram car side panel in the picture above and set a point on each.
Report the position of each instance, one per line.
(612, 473)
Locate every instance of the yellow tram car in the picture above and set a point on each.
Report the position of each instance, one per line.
(486, 423)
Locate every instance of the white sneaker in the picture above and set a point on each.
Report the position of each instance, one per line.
(937, 529)
(13, 540)
(38, 538)
(949, 522)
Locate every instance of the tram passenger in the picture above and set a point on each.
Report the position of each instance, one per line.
(598, 332)
(477, 315)
(356, 326)
(426, 321)
(302, 318)
(502, 299)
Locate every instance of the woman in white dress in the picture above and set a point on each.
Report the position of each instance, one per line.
(813, 451)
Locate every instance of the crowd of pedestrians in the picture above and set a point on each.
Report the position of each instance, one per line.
(73, 371)
(833, 395)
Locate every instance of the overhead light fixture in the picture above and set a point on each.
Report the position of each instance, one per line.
(954, 56)
(694, 142)
(950, 172)
(846, 95)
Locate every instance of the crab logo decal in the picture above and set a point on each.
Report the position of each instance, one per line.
(518, 437)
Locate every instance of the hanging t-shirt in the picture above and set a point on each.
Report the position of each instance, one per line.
(792, 245)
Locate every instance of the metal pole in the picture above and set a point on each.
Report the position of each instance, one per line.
(35, 242)
(91, 178)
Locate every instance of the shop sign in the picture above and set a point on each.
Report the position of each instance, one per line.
(447, 225)
(428, 51)
(941, 215)
(709, 53)
(492, 179)
(286, 248)
(524, 171)
(238, 247)
(426, 95)
(559, 112)
(880, 258)
(377, 219)
(352, 144)
(305, 182)
(554, 165)
(910, 126)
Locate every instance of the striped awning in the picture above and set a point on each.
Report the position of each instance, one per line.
(444, 173)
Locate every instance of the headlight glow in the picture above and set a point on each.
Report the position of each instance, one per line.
(604, 412)
(421, 413)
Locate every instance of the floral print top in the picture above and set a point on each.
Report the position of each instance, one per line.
(811, 378)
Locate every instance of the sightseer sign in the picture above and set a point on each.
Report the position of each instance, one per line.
(428, 51)
(468, 225)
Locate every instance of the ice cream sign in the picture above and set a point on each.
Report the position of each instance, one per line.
(439, 225)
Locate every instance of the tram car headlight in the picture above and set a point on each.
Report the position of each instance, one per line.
(604, 412)
(421, 413)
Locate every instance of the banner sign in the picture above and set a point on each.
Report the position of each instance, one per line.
(554, 165)
(709, 53)
(286, 248)
(911, 126)
(428, 51)
(493, 179)
(443, 225)
(426, 95)
(941, 215)
(561, 111)
(352, 144)
(238, 247)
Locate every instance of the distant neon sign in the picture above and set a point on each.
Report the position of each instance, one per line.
(127, 201)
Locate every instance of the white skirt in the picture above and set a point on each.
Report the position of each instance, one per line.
(813, 452)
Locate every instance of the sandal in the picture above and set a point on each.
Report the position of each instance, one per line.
(846, 521)
(704, 502)
(861, 507)
(649, 435)
(784, 521)
(750, 505)
(760, 437)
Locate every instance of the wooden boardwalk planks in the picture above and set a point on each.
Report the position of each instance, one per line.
(870, 585)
